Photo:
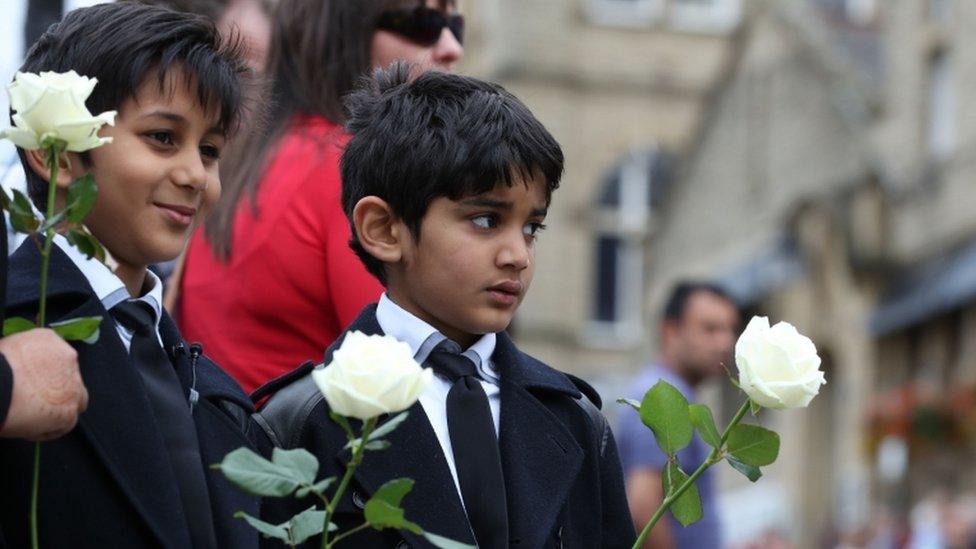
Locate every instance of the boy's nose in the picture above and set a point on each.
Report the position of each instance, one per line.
(515, 253)
(191, 173)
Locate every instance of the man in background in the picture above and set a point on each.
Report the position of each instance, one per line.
(697, 335)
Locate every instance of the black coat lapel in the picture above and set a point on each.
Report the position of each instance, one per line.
(118, 422)
(540, 457)
(217, 434)
(415, 453)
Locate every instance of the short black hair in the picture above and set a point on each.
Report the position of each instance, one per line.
(414, 140)
(122, 44)
(682, 292)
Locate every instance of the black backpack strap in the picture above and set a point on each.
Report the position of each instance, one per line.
(283, 416)
(591, 402)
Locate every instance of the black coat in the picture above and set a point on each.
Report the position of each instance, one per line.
(108, 483)
(563, 480)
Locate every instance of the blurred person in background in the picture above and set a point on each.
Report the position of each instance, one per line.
(697, 337)
(279, 225)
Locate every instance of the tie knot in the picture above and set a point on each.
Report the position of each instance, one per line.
(137, 316)
(446, 359)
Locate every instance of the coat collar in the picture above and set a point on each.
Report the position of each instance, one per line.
(540, 457)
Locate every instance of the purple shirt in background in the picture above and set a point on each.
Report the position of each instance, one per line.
(639, 450)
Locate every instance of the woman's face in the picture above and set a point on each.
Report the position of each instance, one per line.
(388, 46)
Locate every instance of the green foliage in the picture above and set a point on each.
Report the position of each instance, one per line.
(702, 418)
(753, 445)
(688, 507)
(665, 410)
(84, 329)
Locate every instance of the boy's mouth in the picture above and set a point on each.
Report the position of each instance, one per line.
(506, 293)
(180, 215)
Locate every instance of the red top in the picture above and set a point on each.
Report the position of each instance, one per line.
(292, 283)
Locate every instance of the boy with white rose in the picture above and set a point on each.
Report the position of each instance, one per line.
(446, 183)
(135, 472)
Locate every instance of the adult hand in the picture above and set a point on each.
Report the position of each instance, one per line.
(48, 393)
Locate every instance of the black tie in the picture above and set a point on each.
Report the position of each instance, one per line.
(475, 446)
(173, 416)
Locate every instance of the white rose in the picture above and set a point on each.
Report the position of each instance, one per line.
(778, 366)
(52, 106)
(370, 376)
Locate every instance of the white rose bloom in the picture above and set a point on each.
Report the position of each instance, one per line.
(52, 105)
(778, 366)
(370, 376)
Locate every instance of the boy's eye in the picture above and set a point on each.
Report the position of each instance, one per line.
(533, 229)
(210, 151)
(485, 221)
(166, 138)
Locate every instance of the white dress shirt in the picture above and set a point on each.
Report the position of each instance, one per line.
(422, 338)
(110, 289)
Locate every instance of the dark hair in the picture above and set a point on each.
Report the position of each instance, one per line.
(318, 51)
(438, 135)
(677, 303)
(123, 44)
(211, 9)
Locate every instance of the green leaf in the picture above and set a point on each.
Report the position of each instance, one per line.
(257, 475)
(81, 197)
(755, 407)
(344, 423)
(751, 473)
(306, 524)
(16, 324)
(665, 410)
(383, 509)
(299, 528)
(22, 216)
(444, 543)
(380, 515)
(630, 402)
(86, 244)
(276, 531)
(83, 329)
(687, 508)
(701, 416)
(318, 488)
(386, 428)
(378, 445)
(753, 445)
(303, 465)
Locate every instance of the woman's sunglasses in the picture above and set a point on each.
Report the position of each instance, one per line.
(422, 25)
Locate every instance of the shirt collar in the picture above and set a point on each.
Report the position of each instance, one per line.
(109, 288)
(397, 322)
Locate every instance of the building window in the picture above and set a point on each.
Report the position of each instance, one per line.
(704, 15)
(622, 224)
(624, 13)
(941, 106)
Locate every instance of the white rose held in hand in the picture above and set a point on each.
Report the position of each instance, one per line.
(778, 366)
(370, 376)
(51, 106)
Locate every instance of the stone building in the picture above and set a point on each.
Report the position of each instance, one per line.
(831, 185)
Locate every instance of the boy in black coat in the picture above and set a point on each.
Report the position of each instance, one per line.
(135, 472)
(446, 183)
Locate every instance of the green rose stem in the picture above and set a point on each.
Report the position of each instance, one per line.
(53, 153)
(713, 458)
(357, 458)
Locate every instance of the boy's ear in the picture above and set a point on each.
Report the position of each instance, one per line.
(379, 230)
(67, 164)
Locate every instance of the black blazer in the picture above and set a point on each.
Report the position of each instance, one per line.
(108, 482)
(563, 480)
